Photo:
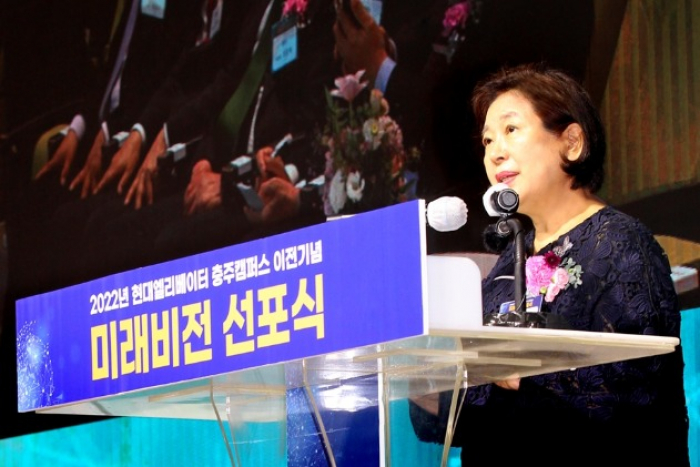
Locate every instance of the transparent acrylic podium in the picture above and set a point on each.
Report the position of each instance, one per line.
(269, 408)
(348, 406)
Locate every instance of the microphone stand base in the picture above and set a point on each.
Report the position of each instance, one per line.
(516, 320)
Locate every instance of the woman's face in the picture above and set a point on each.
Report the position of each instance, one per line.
(521, 153)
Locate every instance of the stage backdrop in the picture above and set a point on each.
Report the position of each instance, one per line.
(57, 61)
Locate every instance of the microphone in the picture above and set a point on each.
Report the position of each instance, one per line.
(501, 200)
(446, 213)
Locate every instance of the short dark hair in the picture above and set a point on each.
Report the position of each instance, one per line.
(558, 100)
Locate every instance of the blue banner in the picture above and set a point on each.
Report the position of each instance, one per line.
(335, 286)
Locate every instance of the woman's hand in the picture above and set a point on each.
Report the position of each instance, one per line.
(511, 384)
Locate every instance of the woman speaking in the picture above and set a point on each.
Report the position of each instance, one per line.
(593, 269)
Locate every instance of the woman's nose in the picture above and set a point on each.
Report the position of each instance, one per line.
(496, 151)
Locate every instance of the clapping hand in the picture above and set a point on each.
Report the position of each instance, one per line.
(204, 190)
(269, 166)
(281, 201)
(123, 163)
(141, 190)
(63, 157)
(90, 173)
(360, 48)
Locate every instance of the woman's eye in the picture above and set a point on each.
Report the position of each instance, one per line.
(510, 129)
(486, 141)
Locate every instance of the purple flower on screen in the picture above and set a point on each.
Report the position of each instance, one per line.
(297, 7)
(455, 16)
(349, 86)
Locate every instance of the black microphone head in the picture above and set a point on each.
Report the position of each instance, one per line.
(501, 200)
(507, 200)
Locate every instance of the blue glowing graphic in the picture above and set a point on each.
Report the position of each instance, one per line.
(35, 383)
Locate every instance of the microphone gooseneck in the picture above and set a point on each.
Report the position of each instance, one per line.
(502, 201)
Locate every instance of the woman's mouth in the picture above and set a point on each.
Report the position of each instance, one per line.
(506, 177)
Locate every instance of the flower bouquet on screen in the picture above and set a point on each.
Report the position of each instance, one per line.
(367, 166)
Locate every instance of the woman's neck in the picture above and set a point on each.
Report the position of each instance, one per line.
(564, 216)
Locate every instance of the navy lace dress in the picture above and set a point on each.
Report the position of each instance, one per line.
(625, 413)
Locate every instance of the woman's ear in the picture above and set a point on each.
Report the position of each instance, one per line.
(574, 140)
